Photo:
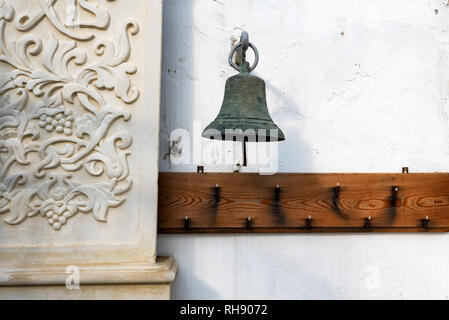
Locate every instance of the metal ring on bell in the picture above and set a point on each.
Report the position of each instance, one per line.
(238, 45)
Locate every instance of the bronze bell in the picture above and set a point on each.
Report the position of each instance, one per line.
(244, 113)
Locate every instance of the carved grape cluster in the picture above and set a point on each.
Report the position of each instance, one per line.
(57, 220)
(62, 122)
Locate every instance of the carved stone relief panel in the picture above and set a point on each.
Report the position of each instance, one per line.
(72, 120)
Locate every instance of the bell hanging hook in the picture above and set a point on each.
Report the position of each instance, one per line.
(244, 39)
(244, 44)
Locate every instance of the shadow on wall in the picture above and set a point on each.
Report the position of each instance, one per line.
(177, 66)
(293, 144)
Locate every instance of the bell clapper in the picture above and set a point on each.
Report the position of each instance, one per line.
(244, 151)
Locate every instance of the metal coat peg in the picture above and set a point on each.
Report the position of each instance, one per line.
(309, 223)
(368, 223)
(394, 197)
(277, 192)
(249, 221)
(425, 222)
(186, 222)
(337, 191)
(217, 194)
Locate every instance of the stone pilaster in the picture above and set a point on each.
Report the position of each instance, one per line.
(79, 126)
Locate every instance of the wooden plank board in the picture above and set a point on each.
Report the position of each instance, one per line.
(226, 208)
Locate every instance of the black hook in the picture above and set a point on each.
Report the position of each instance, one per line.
(337, 191)
(277, 192)
(309, 223)
(368, 223)
(425, 222)
(276, 207)
(217, 194)
(248, 222)
(394, 198)
(186, 222)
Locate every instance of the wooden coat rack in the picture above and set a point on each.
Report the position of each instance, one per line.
(297, 202)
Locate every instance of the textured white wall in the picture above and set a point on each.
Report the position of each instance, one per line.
(356, 86)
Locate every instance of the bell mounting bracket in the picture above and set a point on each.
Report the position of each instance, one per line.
(243, 44)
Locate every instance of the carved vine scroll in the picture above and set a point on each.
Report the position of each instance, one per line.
(55, 120)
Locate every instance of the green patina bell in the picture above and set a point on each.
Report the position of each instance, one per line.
(244, 114)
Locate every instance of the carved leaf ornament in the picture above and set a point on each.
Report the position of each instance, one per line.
(55, 122)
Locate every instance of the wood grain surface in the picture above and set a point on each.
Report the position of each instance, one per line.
(303, 202)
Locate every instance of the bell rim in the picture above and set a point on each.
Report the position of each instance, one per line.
(239, 132)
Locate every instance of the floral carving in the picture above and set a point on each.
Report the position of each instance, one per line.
(25, 22)
(52, 108)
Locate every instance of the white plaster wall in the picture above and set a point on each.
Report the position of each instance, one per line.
(356, 86)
